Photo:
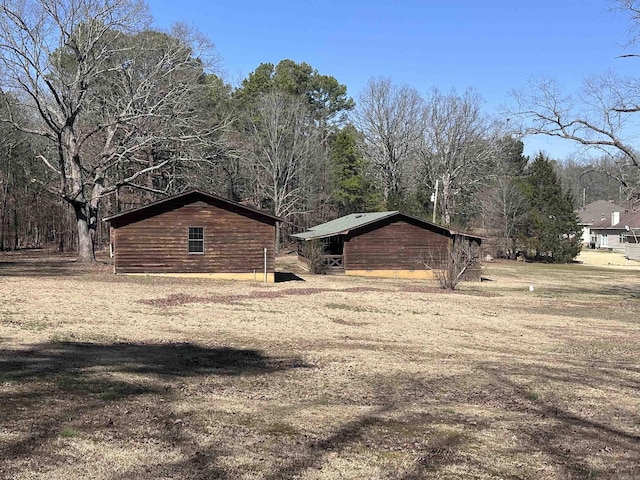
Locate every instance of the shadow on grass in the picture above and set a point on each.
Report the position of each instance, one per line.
(41, 263)
(174, 359)
(287, 277)
(36, 268)
(441, 452)
(568, 438)
(426, 424)
(48, 390)
(597, 290)
(561, 436)
(200, 465)
(315, 451)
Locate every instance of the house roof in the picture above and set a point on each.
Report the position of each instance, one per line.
(598, 216)
(627, 219)
(598, 211)
(343, 225)
(630, 219)
(189, 197)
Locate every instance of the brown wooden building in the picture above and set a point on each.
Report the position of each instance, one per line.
(381, 244)
(195, 234)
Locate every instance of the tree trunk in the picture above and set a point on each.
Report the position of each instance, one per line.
(277, 246)
(86, 253)
(16, 240)
(3, 218)
(445, 204)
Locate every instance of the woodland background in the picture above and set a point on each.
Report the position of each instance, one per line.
(102, 113)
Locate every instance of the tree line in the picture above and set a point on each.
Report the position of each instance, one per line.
(100, 113)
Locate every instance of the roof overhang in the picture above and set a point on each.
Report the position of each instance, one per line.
(122, 216)
(318, 232)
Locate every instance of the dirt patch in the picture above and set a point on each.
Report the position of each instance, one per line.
(178, 299)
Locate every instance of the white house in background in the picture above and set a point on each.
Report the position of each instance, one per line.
(607, 225)
(598, 215)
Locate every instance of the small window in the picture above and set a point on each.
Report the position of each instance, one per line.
(196, 239)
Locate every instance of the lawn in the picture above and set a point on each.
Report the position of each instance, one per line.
(115, 377)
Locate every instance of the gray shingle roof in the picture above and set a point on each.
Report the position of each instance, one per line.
(342, 225)
(630, 219)
(597, 211)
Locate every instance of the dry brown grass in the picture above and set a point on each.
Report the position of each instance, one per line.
(335, 377)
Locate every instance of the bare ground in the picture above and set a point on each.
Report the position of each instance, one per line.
(112, 377)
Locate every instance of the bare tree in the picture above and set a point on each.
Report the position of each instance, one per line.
(452, 267)
(503, 202)
(284, 146)
(14, 150)
(598, 120)
(391, 120)
(504, 211)
(603, 116)
(114, 100)
(459, 145)
(598, 178)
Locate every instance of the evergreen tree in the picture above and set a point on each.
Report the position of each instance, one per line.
(550, 231)
(326, 97)
(287, 114)
(352, 191)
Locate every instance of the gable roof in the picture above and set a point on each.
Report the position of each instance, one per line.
(627, 219)
(596, 212)
(344, 225)
(630, 219)
(155, 208)
(598, 216)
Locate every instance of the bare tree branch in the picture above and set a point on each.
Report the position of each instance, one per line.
(459, 146)
(283, 143)
(391, 119)
(116, 100)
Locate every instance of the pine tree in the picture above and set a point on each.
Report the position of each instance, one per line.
(352, 191)
(550, 231)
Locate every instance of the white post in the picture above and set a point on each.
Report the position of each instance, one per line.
(265, 264)
(435, 202)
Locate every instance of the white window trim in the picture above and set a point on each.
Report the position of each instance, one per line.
(189, 239)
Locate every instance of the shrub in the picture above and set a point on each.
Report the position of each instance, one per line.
(314, 251)
(452, 268)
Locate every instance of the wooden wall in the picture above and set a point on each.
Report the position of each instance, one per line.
(395, 244)
(155, 240)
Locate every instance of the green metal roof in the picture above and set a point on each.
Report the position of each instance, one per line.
(342, 225)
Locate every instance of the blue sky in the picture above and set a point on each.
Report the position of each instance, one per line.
(493, 46)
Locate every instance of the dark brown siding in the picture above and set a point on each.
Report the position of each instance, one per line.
(393, 245)
(156, 241)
